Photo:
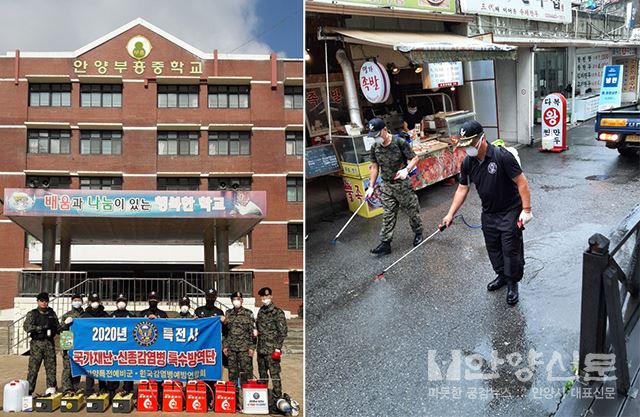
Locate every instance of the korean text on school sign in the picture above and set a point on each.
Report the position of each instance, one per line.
(128, 349)
(152, 204)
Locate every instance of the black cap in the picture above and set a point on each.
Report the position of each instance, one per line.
(153, 296)
(470, 130)
(211, 292)
(74, 296)
(43, 296)
(375, 126)
(94, 297)
(236, 294)
(184, 301)
(121, 297)
(265, 291)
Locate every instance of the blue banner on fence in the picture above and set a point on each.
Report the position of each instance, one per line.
(129, 349)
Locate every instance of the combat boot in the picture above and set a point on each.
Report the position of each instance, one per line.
(512, 292)
(497, 283)
(384, 248)
(417, 239)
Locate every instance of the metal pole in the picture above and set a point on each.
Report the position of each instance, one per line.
(574, 118)
(328, 98)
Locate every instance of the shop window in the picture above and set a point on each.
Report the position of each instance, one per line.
(230, 183)
(178, 143)
(229, 143)
(293, 97)
(229, 96)
(50, 95)
(178, 183)
(101, 95)
(49, 141)
(295, 237)
(294, 143)
(295, 284)
(181, 96)
(101, 142)
(101, 183)
(48, 182)
(295, 189)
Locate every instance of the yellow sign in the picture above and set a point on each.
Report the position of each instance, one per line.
(139, 47)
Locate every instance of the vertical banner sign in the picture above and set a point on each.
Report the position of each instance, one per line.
(374, 82)
(554, 123)
(131, 349)
(611, 90)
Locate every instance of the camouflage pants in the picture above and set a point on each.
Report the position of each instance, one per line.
(266, 367)
(42, 350)
(396, 195)
(69, 383)
(240, 366)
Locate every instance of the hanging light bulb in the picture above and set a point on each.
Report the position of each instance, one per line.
(418, 69)
(307, 56)
(453, 88)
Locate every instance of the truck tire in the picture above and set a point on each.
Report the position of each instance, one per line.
(628, 152)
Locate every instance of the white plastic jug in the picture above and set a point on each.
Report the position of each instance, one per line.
(13, 393)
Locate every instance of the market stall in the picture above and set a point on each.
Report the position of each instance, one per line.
(432, 64)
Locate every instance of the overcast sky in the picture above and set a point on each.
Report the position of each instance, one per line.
(240, 26)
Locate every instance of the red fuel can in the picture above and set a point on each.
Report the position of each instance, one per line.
(148, 396)
(196, 397)
(225, 397)
(172, 397)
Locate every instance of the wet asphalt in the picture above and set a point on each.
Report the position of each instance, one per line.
(369, 342)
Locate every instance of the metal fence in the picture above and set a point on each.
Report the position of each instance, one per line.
(610, 299)
(225, 282)
(53, 282)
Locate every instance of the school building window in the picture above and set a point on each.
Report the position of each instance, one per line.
(229, 143)
(181, 96)
(49, 141)
(229, 96)
(293, 97)
(295, 238)
(50, 95)
(101, 183)
(295, 284)
(294, 189)
(294, 143)
(35, 181)
(230, 183)
(178, 183)
(178, 143)
(101, 142)
(101, 95)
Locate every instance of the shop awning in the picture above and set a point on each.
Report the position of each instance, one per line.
(424, 48)
(561, 42)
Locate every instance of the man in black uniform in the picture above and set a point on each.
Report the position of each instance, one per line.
(185, 309)
(153, 311)
(506, 204)
(209, 309)
(93, 311)
(121, 312)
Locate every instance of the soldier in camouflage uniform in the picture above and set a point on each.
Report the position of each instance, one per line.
(69, 383)
(238, 344)
(393, 159)
(42, 326)
(272, 330)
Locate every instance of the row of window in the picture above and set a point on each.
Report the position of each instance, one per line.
(169, 96)
(109, 142)
(294, 184)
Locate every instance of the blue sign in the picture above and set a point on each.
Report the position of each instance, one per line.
(131, 349)
(611, 90)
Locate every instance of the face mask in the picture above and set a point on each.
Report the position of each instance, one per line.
(412, 110)
(184, 309)
(266, 302)
(237, 303)
(121, 305)
(379, 140)
(76, 304)
(153, 304)
(473, 150)
(95, 305)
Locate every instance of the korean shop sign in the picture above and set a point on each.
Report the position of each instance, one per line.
(447, 6)
(558, 11)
